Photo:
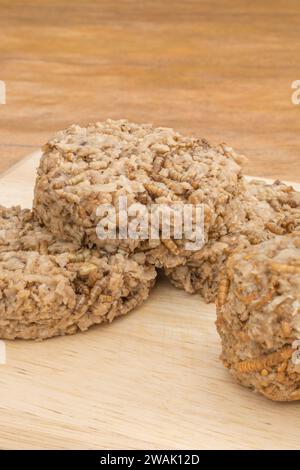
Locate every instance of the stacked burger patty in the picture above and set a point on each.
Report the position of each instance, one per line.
(52, 287)
(59, 274)
(84, 169)
(258, 213)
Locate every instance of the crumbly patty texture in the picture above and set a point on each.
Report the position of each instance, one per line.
(201, 274)
(258, 317)
(258, 213)
(84, 168)
(50, 287)
(20, 231)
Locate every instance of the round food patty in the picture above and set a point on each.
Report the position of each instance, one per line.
(83, 171)
(258, 213)
(258, 317)
(50, 287)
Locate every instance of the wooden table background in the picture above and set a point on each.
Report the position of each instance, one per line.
(220, 69)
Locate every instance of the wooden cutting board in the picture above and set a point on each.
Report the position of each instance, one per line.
(150, 380)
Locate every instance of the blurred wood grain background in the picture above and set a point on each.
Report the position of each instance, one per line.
(219, 69)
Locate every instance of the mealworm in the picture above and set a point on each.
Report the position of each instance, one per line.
(223, 289)
(43, 247)
(265, 361)
(157, 164)
(76, 179)
(285, 268)
(155, 190)
(171, 245)
(175, 175)
(70, 197)
(276, 229)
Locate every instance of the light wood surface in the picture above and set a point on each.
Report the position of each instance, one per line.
(149, 380)
(221, 69)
